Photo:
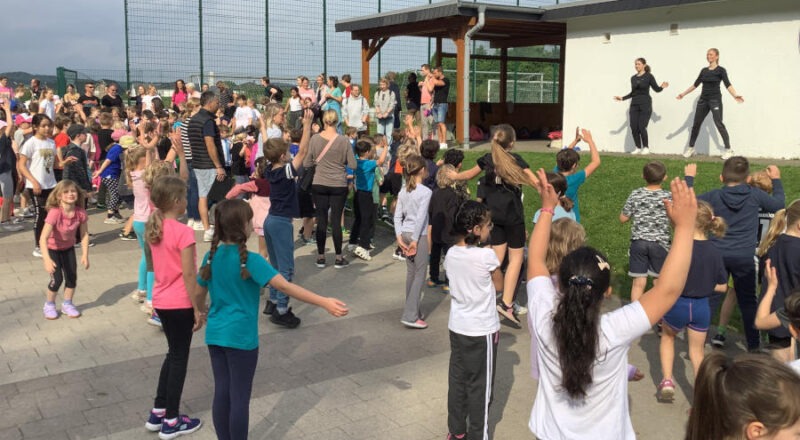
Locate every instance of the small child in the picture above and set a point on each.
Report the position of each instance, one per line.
(240, 154)
(363, 205)
(243, 115)
(428, 150)
(786, 317)
(77, 170)
(707, 276)
(650, 234)
(294, 109)
(393, 179)
(137, 159)
(473, 324)
(739, 204)
(258, 201)
(565, 204)
(411, 228)
(567, 161)
(751, 396)
(110, 172)
(445, 203)
(65, 218)
(781, 247)
(234, 277)
(225, 140)
(177, 301)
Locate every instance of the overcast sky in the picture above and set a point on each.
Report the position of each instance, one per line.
(40, 35)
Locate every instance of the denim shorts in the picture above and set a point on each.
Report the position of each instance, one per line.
(439, 113)
(205, 179)
(646, 258)
(689, 312)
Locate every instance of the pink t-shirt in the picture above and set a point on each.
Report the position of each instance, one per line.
(65, 229)
(141, 197)
(178, 98)
(169, 291)
(308, 93)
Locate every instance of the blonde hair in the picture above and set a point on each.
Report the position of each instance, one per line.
(330, 118)
(167, 191)
(54, 199)
(404, 151)
(270, 112)
(443, 179)
(132, 158)
(156, 169)
(762, 181)
(505, 165)
(566, 235)
(707, 222)
(784, 218)
(415, 164)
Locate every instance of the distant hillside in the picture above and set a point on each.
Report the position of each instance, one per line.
(15, 78)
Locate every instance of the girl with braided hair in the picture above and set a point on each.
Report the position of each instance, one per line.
(233, 277)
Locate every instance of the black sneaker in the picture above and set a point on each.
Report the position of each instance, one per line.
(118, 216)
(718, 340)
(287, 320)
(340, 263)
(321, 262)
(269, 308)
(130, 236)
(507, 311)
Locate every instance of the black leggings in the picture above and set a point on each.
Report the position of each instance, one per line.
(177, 325)
(66, 269)
(715, 107)
(363, 219)
(438, 250)
(640, 117)
(39, 204)
(233, 384)
(326, 197)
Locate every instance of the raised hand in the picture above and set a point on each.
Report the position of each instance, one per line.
(682, 209)
(690, 170)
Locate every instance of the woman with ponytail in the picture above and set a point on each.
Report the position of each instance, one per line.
(749, 397)
(582, 355)
(234, 277)
(175, 300)
(707, 275)
(641, 104)
(781, 246)
(504, 174)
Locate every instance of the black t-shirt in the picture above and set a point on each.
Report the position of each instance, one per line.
(784, 255)
(8, 159)
(108, 101)
(640, 88)
(706, 270)
(238, 165)
(163, 147)
(440, 92)
(104, 139)
(88, 103)
(441, 213)
(277, 97)
(710, 80)
(414, 94)
(503, 199)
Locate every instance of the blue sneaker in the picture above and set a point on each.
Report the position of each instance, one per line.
(153, 424)
(184, 425)
(154, 320)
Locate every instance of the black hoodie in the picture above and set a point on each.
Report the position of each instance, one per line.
(739, 205)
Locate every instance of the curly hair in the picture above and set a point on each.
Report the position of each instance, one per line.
(469, 215)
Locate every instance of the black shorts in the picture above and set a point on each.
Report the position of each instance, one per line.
(646, 258)
(776, 342)
(391, 184)
(306, 203)
(512, 235)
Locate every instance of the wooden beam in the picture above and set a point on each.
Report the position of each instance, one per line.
(461, 86)
(511, 58)
(365, 44)
(375, 46)
(522, 42)
(503, 74)
(438, 51)
(562, 50)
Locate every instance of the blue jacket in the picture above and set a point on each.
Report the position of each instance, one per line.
(739, 205)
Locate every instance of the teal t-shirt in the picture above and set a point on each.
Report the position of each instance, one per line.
(574, 181)
(233, 315)
(365, 174)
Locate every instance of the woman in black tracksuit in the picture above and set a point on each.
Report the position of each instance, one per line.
(711, 101)
(641, 104)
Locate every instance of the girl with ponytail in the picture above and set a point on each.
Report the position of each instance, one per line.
(582, 355)
(505, 173)
(749, 397)
(565, 204)
(707, 275)
(781, 246)
(234, 277)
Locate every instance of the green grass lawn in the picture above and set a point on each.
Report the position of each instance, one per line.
(602, 196)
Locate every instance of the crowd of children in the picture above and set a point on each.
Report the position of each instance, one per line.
(690, 245)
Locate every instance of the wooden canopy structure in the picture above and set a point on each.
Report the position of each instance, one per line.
(502, 26)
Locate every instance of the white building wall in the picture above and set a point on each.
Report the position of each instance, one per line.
(759, 44)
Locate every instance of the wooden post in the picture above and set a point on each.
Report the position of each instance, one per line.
(503, 74)
(562, 60)
(461, 85)
(438, 51)
(365, 69)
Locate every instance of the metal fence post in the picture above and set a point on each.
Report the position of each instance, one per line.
(266, 36)
(127, 57)
(200, 30)
(379, 53)
(325, 36)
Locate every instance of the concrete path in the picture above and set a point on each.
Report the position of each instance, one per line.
(359, 377)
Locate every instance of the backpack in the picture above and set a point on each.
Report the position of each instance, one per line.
(475, 133)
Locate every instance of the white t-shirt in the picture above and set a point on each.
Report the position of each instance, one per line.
(48, 108)
(41, 156)
(604, 413)
(243, 116)
(295, 105)
(472, 309)
(147, 102)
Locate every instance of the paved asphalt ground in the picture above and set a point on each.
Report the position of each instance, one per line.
(363, 376)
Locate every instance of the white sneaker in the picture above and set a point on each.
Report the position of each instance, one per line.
(442, 145)
(362, 253)
(645, 151)
(689, 152)
(198, 226)
(190, 223)
(727, 154)
(208, 235)
(11, 227)
(636, 151)
(37, 252)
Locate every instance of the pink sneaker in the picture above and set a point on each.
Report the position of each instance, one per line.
(50, 311)
(666, 390)
(70, 310)
(419, 324)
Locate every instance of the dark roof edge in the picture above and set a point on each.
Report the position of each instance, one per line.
(599, 7)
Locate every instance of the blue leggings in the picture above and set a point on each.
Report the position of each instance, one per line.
(145, 278)
(279, 235)
(233, 384)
